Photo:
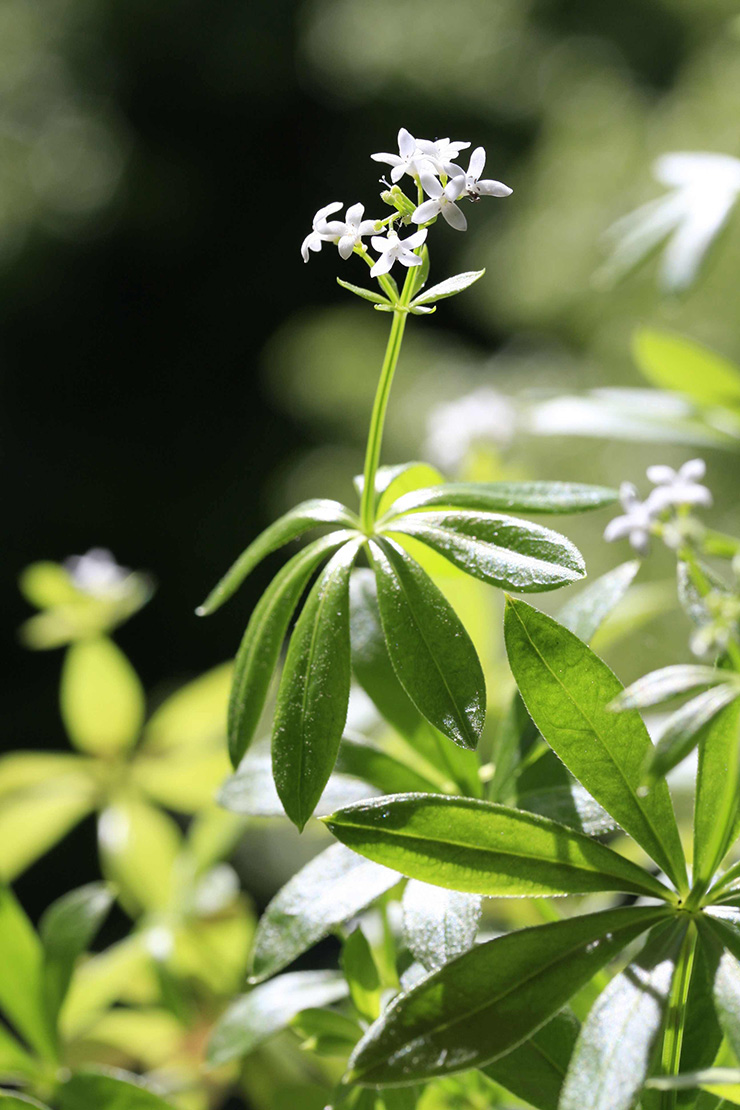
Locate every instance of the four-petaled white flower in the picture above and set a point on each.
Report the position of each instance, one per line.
(319, 234)
(442, 202)
(409, 159)
(681, 487)
(441, 152)
(392, 249)
(636, 521)
(474, 187)
(350, 231)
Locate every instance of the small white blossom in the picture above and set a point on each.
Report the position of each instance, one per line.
(350, 231)
(474, 187)
(453, 429)
(410, 157)
(681, 487)
(441, 152)
(320, 233)
(636, 521)
(442, 202)
(392, 249)
(97, 573)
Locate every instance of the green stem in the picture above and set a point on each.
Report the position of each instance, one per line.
(703, 587)
(676, 1015)
(377, 420)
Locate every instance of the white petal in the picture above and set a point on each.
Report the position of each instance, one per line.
(366, 227)
(354, 214)
(426, 146)
(426, 211)
(327, 211)
(454, 216)
(331, 229)
(416, 239)
(389, 159)
(346, 246)
(383, 265)
(661, 475)
(454, 188)
(628, 495)
(490, 188)
(695, 495)
(430, 185)
(406, 144)
(693, 470)
(398, 171)
(380, 243)
(640, 541)
(617, 529)
(408, 258)
(477, 162)
(453, 170)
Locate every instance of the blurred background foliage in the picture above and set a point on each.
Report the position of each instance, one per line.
(174, 375)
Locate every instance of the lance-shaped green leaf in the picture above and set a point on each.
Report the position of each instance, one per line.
(439, 924)
(250, 791)
(484, 848)
(567, 690)
(506, 552)
(259, 650)
(366, 294)
(431, 652)
(109, 1089)
(15, 1062)
(333, 887)
(387, 774)
(487, 1001)
(585, 613)
(692, 601)
(101, 698)
(716, 802)
(612, 1056)
(448, 288)
(724, 1083)
(536, 1069)
(307, 515)
(672, 361)
(571, 805)
(679, 734)
(21, 975)
(361, 973)
(254, 1017)
(513, 497)
(722, 941)
(314, 692)
(667, 683)
(13, 1101)
(66, 930)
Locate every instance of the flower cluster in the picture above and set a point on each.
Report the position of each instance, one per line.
(674, 489)
(433, 167)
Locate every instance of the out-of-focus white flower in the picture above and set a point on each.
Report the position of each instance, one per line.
(479, 418)
(441, 152)
(704, 190)
(442, 202)
(410, 157)
(349, 231)
(97, 573)
(474, 187)
(679, 487)
(636, 521)
(320, 233)
(392, 249)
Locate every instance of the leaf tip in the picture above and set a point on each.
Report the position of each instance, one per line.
(201, 611)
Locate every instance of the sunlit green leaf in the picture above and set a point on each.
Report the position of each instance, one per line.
(362, 975)
(101, 697)
(449, 287)
(254, 1017)
(667, 683)
(723, 943)
(139, 845)
(104, 979)
(33, 820)
(484, 848)
(392, 482)
(184, 783)
(109, 1089)
(723, 1082)
(716, 802)
(490, 999)
(612, 1055)
(366, 294)
(15, 1062)
(10, 1100)
(584, 613)
(314, 692)
(194, 716)
(431, 652)
(567, 690)
(361, 759)
(307, 515)
(329, 890)
(571, 805)
(251, 792)
(679, 734)
(514, 497)
(66, 929)
(259, 650)
(21, 975)
(439, 924)
(675, 362)
(536, 1069)
(326, 1032)
(46, 585)
(506, 552)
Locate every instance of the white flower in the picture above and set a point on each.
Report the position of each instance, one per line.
(680, 487)
(410, 157)
(97, 573)
(320, 233)
(442, 202)
(350, 231)
(481, 417)
(441, 152)
(474, 187)
(636, 521)
(392, 249)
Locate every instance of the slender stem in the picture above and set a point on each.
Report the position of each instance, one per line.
(377, 420)
(676, 1015)
(703, 587)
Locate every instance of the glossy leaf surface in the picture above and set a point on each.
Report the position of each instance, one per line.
(514, 497)
(250, 791)
(666, 683)
(366, 294)
(679, 734)
(111, 1089)
(585, 613)
(439, 924)
(536, 1069)
(716, 801)
(448, 288)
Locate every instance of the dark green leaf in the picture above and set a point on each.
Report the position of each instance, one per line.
(612, 1056)
(513, 497)
(307, 515)
(702, 1034)
(314, 692)
(109, 1089)
(439, 924)
(679, 734)
(326, 1032)
(484, 848)
(431, 652)
(448, 288)
(536, 1069)
(259, 651)
(366, 294)
(667, 683)
(722, 940)
(672, 361)
(66, 930)
(571, 805)
(251, 792)
(21, 975)
(584, 613)
(487, 1001)
(387, 774)
(567, 690)
(333, 887)
(716, 803)
(362, 976)
(254, 1017)
(506, 552)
